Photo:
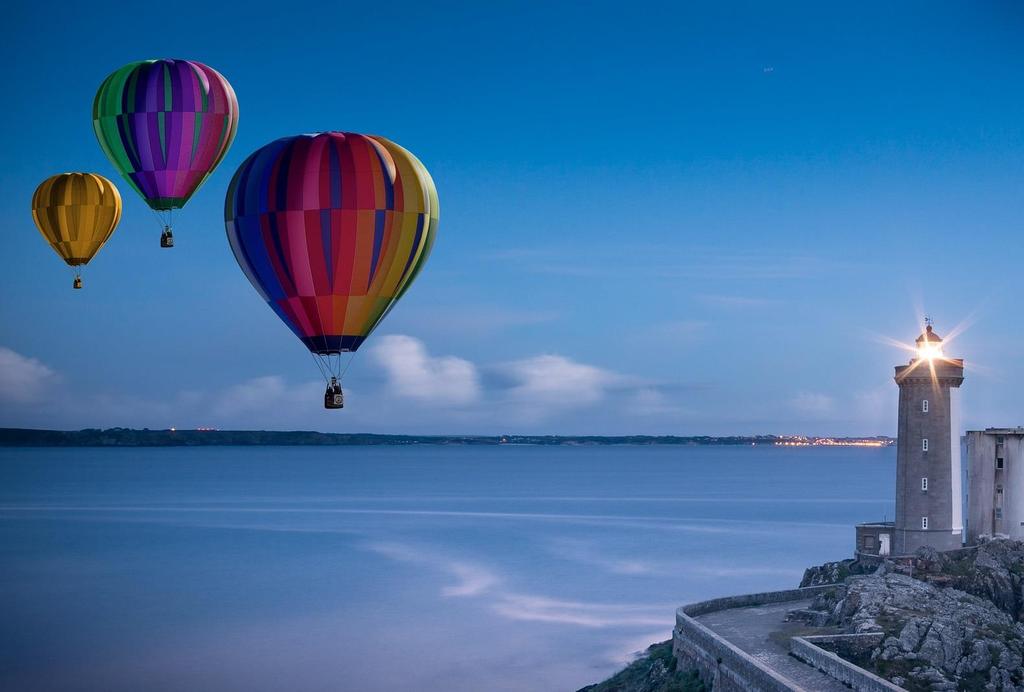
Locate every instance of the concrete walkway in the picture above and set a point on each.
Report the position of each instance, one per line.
(762, 632)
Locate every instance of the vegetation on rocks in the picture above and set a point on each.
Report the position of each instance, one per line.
(831, 572)
(655, 671)
(949, 621)
(952, 621)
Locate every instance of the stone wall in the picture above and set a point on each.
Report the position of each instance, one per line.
(847, 645)
(810, 651)
(876, 538)
(752, 599)
(721, 665)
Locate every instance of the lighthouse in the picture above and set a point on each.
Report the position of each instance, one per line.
(928, 494)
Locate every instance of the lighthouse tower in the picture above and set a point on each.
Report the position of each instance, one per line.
(928, 495)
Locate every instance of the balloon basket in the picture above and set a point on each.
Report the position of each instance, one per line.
(334, 397)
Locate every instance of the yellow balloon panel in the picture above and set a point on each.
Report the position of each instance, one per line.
(76, 214)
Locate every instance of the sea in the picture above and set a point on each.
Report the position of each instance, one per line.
(422, 567)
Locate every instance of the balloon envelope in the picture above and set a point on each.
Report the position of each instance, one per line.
(76, 213)
(165, 125)
(331, 229)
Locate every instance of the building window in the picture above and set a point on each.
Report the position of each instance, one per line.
(924, 522)
(924, 444)
(999, 463)
(999, 439)
(999, 512)
(924, 406)
(924, 484)
(869, 542)
(999, 496)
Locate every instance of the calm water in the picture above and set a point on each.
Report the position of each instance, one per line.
(388, 568)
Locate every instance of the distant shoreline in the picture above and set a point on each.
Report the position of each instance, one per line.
(127, 437)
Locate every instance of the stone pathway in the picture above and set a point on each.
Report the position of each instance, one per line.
(762, 632)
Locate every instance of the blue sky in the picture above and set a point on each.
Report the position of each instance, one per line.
(654, 218)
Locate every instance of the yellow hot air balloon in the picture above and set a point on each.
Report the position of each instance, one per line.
(76, 213)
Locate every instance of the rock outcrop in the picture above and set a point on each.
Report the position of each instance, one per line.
(955, 624)
(994, 571)
(946, 621)
(831, 572)
(936, 638)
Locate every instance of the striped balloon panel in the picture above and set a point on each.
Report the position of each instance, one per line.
(165, 125)
(331, 229)
(76, 213)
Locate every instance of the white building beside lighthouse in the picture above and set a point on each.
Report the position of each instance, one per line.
(995, 483)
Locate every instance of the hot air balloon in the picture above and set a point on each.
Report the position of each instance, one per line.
(165, 125)
(76, 213)
(331, 229)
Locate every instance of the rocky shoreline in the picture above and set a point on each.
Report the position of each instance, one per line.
(951, 621)
(945, 621)
(654, 671)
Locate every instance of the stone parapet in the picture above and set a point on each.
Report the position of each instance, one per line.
(722, 665)
(810, 651)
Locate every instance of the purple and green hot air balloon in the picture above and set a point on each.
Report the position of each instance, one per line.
(165, 125)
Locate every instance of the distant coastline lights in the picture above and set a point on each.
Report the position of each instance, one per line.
(797, 441)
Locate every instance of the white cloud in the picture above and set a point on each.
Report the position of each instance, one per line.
(262, 401)
(649, 401)
(868, 411)
(255, 403)
(814, 404)
(553, 380)
(543, 393)
(23, 380)
(264, 394)
(413, 373)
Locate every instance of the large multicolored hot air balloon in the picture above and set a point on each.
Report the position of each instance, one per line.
(165, 125)
(331, 229)
(76, 213)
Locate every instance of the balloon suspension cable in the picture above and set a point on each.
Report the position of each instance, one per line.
(341, 366)
(160, 220)
(328, 369)
(332, 365)
(347, 365)
(321, 367)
